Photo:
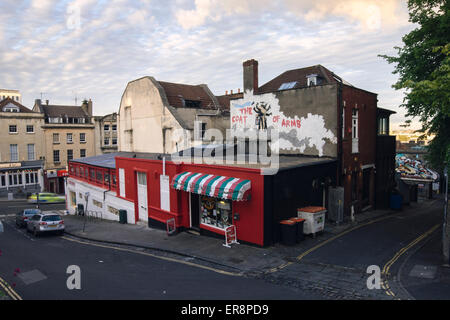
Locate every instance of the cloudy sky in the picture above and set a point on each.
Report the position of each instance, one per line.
(91, 49)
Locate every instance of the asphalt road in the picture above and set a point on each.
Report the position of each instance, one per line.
(110, 274)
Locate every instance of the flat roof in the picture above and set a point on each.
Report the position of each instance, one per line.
(283, 162)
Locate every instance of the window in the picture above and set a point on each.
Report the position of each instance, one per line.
(12, 129)
(99, 176)
(69, 155)
(355, 140)
(122, 182)
(106, 141)
(192, 104)
(114, 141)
(97, 203)
(287, 85)
(14, 153)
(30, 129)
(31, 155)
(203, 130)
(82, 153)
(56, 156)
(56, 138)
(114, 127)
(106, 127)
(69, 138)
(82, 137)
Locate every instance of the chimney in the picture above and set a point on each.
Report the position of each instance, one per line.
(90, 107)
(87, 107)
(251, 75)
(231, 92)
(46, 102)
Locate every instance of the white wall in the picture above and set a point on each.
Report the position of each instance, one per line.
(108, 198)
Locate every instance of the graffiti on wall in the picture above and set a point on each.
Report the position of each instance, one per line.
(261, 112)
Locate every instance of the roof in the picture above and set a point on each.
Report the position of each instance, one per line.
(178, 93)
(62, 111)
(300, 77)
(224, 100)
(21, 107)
(32, 164)
(385, 111)
(109, 160)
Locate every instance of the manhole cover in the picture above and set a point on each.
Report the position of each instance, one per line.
(424, 272)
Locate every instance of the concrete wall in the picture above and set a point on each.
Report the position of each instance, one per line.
(108, 200)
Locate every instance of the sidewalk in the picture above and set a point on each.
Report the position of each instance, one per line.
(239, 258)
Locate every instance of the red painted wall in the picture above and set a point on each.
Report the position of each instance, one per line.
(251, 212)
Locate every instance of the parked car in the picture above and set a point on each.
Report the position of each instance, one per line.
(22, 217)
(46, 197)
(45, 222)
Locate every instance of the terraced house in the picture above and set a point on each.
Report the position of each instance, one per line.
(21, 149)
(68, 132)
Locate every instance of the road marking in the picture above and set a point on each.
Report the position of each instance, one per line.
(304, 254)
(402, 251)
(10, 291)
(158, 257)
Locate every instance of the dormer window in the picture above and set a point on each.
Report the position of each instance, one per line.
(192, 103)
(10, 108)
(312, 80)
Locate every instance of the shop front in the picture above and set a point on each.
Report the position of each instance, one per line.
(211, 199)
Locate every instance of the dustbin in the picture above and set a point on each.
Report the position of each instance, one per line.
(288, 230)
(80, 209)
(299, 223)
(396, 201)
(123, 216)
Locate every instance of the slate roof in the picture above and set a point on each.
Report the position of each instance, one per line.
(62, 111)
(178, 93)
(299, 76)
(7, 101)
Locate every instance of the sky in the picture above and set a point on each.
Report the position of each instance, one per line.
(67, 51)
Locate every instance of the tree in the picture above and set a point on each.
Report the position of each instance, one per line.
(423, 66)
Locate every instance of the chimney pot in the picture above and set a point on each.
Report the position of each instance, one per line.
(231, 92)
(46, 101)
(226, 92)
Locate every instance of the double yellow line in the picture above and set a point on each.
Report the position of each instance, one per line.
(10, 291)
(402, 251)
(304, 254)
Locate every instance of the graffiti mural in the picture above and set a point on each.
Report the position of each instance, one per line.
(262, 112)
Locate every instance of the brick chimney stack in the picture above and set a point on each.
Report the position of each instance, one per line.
(251, 75)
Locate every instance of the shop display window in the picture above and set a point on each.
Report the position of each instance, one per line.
(216, 212)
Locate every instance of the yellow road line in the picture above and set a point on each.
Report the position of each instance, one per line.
(158, 257)
(10, 291)
(402, 251)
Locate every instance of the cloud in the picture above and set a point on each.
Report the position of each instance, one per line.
(370, 14)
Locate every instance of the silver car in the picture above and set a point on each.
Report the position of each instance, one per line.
(23, 216)
(45, 222)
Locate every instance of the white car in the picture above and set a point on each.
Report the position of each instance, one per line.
(45, 222)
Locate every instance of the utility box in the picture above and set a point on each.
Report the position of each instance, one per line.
(314, 219)
(336, 204)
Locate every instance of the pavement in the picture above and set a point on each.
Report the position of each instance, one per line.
(240, 258)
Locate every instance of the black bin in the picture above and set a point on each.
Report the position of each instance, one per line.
(123, 216)
(299, 223)
(288, 230)
(80, 209)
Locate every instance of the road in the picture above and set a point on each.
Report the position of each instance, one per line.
(36, 268)
(338, 269)
(15, 206)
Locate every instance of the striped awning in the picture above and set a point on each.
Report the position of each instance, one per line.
(212, 185)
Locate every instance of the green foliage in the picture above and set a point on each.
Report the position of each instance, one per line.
(423, 66)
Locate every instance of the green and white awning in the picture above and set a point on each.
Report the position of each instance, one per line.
(212, 185)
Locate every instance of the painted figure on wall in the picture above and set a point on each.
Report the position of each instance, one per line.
(262, 111)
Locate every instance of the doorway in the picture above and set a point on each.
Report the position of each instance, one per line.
(194, 202)
(142, 196)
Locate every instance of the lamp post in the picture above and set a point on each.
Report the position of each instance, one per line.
(445, 242)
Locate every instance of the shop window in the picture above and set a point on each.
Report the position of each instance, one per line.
(99, 177)
(106, 178)
(92, 172)
(216, 212)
